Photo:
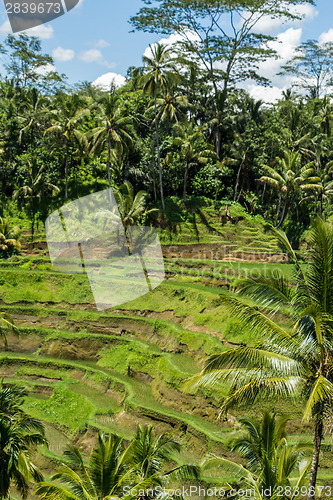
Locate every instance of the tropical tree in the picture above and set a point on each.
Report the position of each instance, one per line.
(159, 76)
(284, 363)
(114, 130)
(113, 466)
(16, 466)
(325, 117)
(127, 212)
(171, 108)
(24, 60)
(289, 179)
(35, 189)
(273, 466)
(221, 38)
(19, 434)
(9, 235)
(131, 206)
(151, 454)
(69, 114)
(193, 149)
(105, 475)
(312, 66)
(324, 193)
(32, 114)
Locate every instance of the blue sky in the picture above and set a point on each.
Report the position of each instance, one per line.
(91, 41)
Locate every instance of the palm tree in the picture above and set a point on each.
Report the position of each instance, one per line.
(34, 190)
(18, 434)
(324, 192)
(150, 454)
(113, 131)
(16, 466)
(105, 475)
(33, 111)
(131, 206)
(326, 117)
(8, 238)
(171, 108)
(289, 179)
(159, 75)
(272, 464)
(112, 466)
(193, 149)
(67, 119)
(283, 363)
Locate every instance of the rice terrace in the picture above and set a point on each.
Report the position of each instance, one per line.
(210, 374)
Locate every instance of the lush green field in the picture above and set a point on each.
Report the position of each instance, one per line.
(90, 371)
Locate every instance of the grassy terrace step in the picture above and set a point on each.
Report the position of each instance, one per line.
(195, 306)
(120, 351)
(123, 323)
(139, 395)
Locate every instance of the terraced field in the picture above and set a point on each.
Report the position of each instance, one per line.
(90, 371)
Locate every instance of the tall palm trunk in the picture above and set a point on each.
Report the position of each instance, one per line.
(158, 152)
(66, 171)
(315, 459)
(153, 171)
(218, 141)
(185, 182)
(284, 212)
(108, 161)
(237, 180)
(108, 166)
(278, 210)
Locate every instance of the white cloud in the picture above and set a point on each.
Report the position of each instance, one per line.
(63, 55)
(326, 36)
(45, 69)
(94, 56)
(102, 44)
(45, 31)
(270, 26)
(285, 46)
(171, 40)
(104, 82)
(307, 11)
(266, 94)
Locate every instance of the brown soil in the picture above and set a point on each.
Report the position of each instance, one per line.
(78, 349)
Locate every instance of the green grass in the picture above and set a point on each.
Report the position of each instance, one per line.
(164, 337)
(63, 408)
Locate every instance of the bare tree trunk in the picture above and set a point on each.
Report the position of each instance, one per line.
(153, 171)
(315, 459)
(66, 176)
(263, 194)
(185, 183)
(278, 210)
(283, 215)
(159, 154)
(108, 166)
(237, 181)
(218, 142)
